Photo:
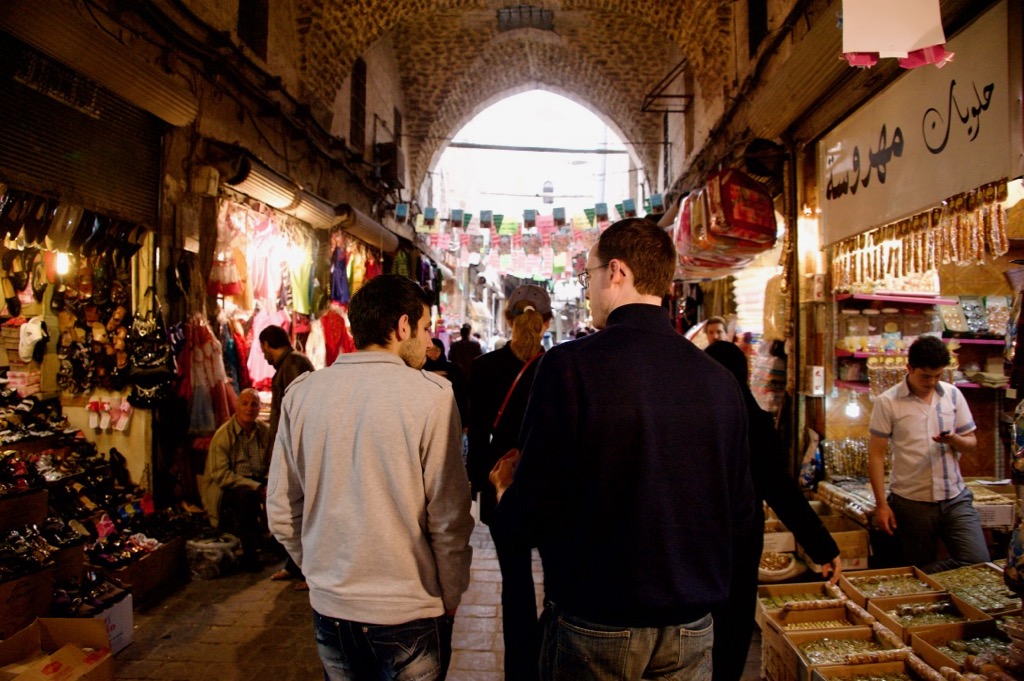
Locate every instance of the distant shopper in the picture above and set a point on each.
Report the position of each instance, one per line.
(463, 351)
(369, 494)
(734, 621)
(499, 387)
(288, 365)
(633, 478)
(234, 481)
(437, 362)
(928, 424)
(715, 329)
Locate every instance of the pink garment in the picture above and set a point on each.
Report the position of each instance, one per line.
(265, 258)
(260, 369)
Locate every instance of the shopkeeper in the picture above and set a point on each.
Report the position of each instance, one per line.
(928, 424)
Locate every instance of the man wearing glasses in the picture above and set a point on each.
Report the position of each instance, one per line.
(633, 478)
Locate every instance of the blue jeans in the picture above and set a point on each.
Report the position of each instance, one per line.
(420, 650)
(920, 523)
(573, 648)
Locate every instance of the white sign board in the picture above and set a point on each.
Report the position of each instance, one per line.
(931, 134)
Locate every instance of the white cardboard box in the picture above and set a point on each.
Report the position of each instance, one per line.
(120, 623)
(996, 515)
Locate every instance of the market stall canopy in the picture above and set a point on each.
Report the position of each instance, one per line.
(362, 226)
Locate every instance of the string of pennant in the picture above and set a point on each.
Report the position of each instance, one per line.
(537, 245)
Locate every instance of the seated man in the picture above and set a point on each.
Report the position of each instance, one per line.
(234, 485)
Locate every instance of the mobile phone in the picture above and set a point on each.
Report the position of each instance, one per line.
(944, 433)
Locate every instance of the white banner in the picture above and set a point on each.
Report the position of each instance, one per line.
(931, 134)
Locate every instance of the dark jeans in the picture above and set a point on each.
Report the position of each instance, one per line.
(420, 650)
(242, 514)
(920, 523)
(518, 606)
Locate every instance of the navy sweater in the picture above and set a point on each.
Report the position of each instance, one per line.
(634, 478)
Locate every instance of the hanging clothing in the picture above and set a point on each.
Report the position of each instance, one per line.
(401, 264)
(260, 370)
(356, 270)
(300, 270)
(316, 347)
(339, 275)
(337, 339)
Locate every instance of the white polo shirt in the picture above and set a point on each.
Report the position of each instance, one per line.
(922, 469)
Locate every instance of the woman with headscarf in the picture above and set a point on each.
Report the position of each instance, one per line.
(437, 362)
(499, 386)
(734, 621)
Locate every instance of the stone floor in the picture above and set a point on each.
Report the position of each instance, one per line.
(247, 627)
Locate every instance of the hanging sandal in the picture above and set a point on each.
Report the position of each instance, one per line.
(11, 298)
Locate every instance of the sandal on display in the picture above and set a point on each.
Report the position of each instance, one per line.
(82, 231)
(11, 298)
(39, 277)
(65, 220)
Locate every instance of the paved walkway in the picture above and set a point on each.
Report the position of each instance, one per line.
(247, 627)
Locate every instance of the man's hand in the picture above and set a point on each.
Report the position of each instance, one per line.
(832, 569)
(503, 471)
(885, 519)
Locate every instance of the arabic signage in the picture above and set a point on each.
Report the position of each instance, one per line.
(932, 134)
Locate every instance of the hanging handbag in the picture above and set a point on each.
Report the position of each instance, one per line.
(152, 369)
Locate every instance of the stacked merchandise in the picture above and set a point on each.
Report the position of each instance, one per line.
(896, 623)
(723, 226)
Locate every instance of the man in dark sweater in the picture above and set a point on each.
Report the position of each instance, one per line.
(465, 350)
(633, 479)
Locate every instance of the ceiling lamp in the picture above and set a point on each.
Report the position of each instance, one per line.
(263, 184)
(57, 30)
(362, 226)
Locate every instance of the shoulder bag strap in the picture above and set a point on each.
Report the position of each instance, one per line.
(497, 419)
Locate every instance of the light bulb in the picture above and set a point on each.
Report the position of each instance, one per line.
(852, 408)
(63, 263)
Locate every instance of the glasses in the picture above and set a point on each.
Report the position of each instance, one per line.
(584, 276)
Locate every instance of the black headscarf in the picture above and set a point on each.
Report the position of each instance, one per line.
(441, 363)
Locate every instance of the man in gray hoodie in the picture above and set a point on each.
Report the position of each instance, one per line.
(368, 493)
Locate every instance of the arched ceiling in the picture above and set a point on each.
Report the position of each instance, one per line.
(453, 60)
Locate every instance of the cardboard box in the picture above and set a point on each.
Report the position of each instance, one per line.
(777, 538)
(24, 599)
(880, 607)
(819, 591)
(861, 595)
(996, 515)
(926, 643)
(64, 649)
(148, 577)
(852, 540)
(19, 510)
(783, 660)
(69, 562)
(849, 614)
(913, 667)
(120, 623)
(982, 586)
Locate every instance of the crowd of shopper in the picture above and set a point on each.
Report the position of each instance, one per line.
(636, 463)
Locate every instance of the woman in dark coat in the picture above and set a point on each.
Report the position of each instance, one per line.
(437, 362)
(528, 312)
(734, 621)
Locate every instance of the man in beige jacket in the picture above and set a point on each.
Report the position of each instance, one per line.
(369, 495)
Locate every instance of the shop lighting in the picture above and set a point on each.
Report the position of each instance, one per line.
(255, 180)
(263, 184)
(63, 263)
(852, 408)
(362, 226)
